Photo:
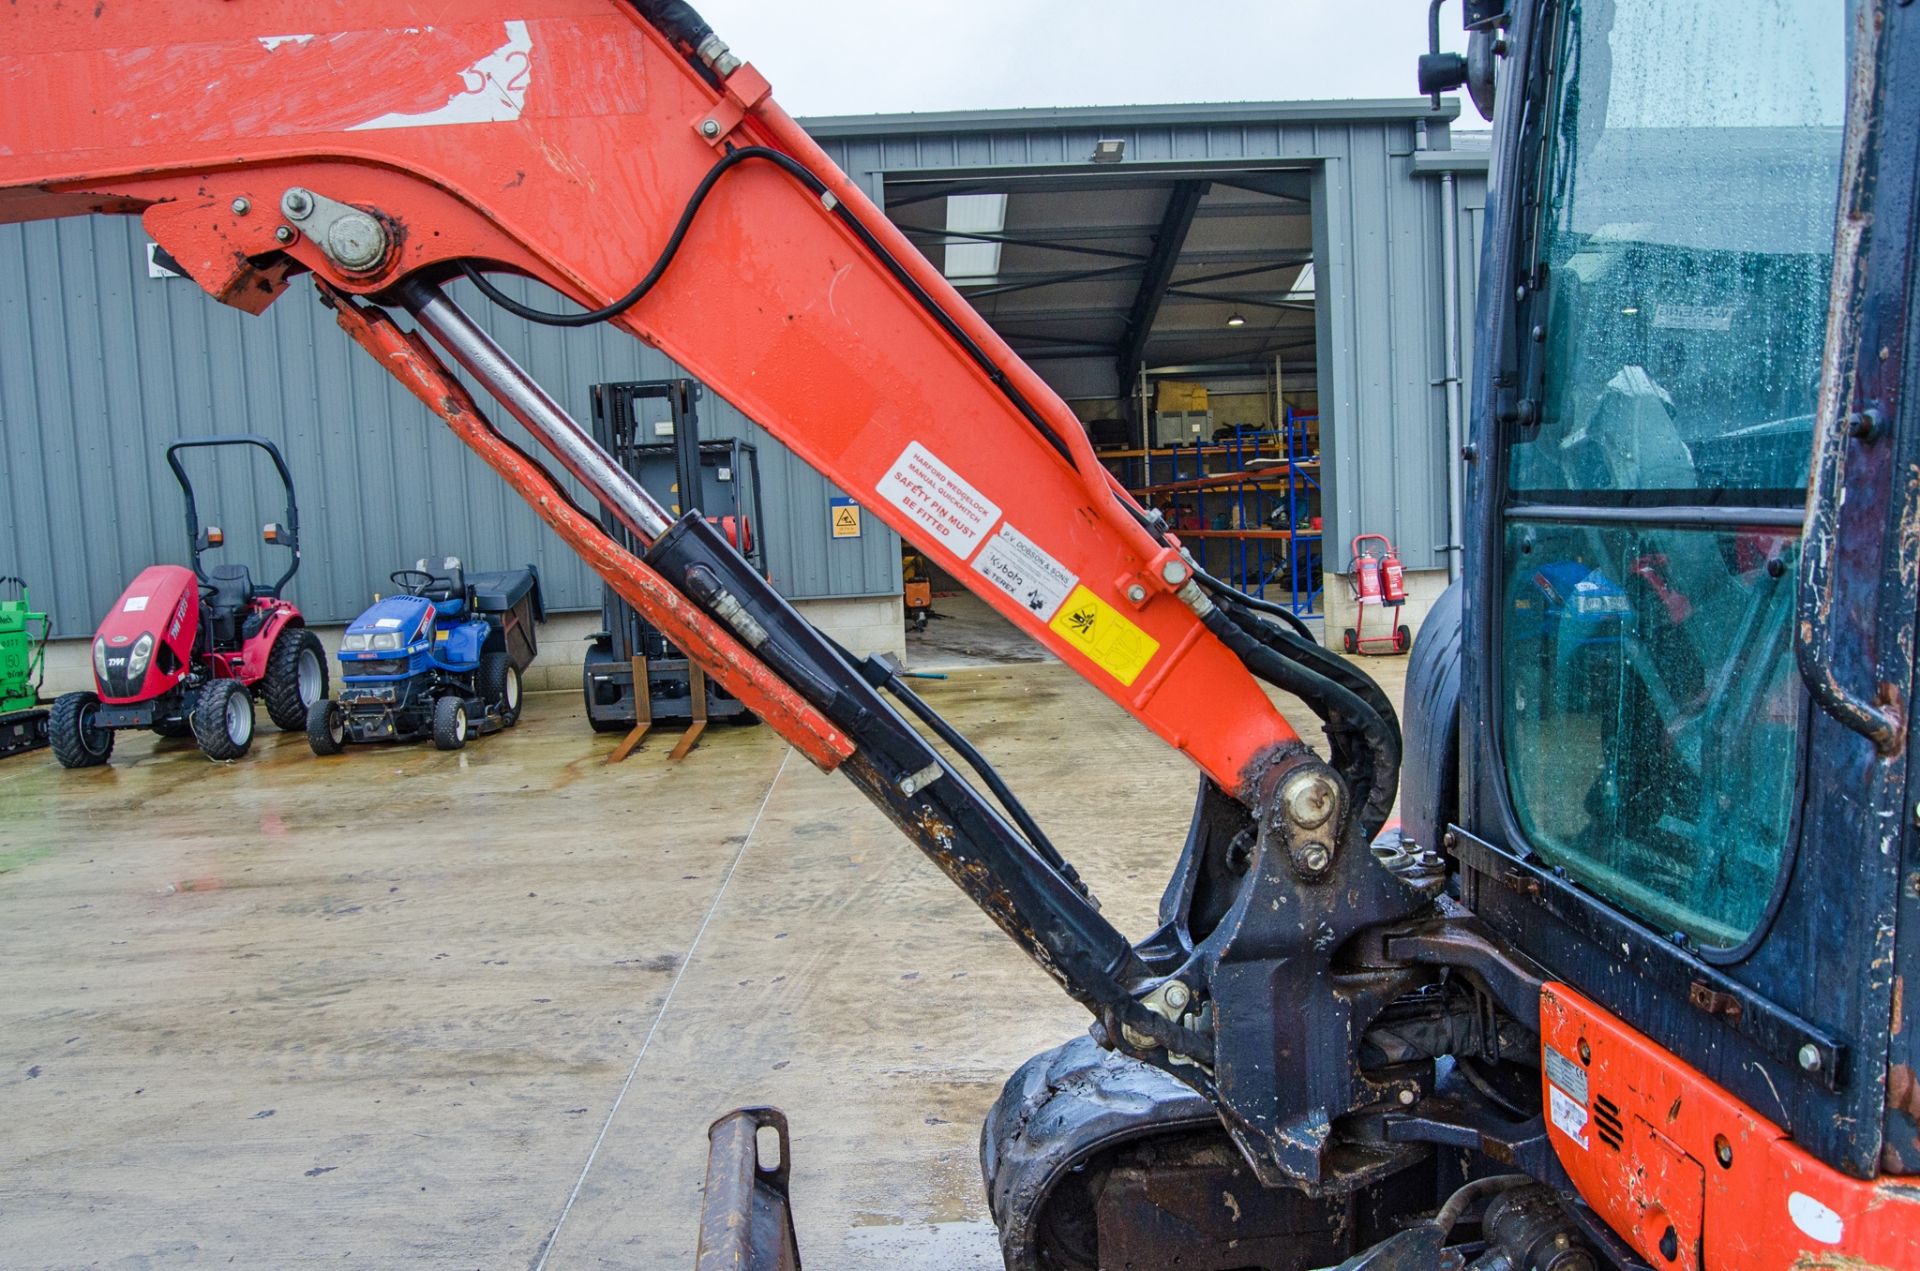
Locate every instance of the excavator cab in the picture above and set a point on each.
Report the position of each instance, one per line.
(1663, 756)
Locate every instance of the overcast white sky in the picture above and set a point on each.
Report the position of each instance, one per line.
(840, 57)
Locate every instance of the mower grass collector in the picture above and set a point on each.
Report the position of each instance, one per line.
(23, 661)
(442, 659)
(188, 650)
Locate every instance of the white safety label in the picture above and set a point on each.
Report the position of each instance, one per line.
(135, 604)
(932, 494)
(1570, 1117)
(1020, 567)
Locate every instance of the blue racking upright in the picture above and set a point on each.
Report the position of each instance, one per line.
(1244, 501)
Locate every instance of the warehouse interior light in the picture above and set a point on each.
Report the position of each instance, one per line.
(1236, 319)
(1110, 150)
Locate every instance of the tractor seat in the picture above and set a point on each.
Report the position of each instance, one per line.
(448, 590)
(232, 588)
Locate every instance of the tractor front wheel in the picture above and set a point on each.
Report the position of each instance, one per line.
(327, 727)
(223, 719)
(500, 687)
(449, 723)
(296, 678)
(78, 742)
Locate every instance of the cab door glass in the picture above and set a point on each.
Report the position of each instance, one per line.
(1691, 178)
(1690, 171)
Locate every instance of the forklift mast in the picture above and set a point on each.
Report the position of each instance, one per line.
(1636, 985)
(632, 671)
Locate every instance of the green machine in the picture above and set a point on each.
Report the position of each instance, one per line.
(23, 661)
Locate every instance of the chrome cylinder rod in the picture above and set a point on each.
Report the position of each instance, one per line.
(455, 331)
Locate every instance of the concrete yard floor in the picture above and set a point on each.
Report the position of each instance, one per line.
(407, 1008)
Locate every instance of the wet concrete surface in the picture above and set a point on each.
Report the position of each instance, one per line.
(963, 630)
(476, 1010)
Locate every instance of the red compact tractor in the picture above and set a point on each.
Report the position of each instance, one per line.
(188, 650)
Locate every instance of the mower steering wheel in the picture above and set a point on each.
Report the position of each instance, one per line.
(413, 581)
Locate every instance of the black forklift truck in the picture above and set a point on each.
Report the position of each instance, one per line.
(633, 676)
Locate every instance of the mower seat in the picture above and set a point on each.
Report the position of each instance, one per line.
(448, 590)
(232, 589)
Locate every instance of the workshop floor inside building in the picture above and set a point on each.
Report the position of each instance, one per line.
(407, 1008)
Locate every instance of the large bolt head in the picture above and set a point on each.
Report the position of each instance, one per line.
(1315, 858)
(297, 204)
(1309, 800)
(1177, 995)
(356, 241)
(1174, 572)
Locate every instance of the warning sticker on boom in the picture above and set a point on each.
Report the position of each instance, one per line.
(1020, 567)
(1104, 634)
(940, 499)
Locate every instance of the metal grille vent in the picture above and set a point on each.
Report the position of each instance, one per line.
(1606, 1121)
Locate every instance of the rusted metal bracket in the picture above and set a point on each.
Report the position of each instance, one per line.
(746, 1223)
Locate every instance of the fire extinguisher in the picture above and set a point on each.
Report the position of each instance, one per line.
(1393, 578)
(1366, 571)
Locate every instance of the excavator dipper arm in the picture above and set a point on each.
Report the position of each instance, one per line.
(617, 152)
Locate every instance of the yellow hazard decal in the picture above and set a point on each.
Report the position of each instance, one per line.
(1103, 634)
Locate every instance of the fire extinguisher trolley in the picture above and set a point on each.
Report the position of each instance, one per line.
(1379, 583)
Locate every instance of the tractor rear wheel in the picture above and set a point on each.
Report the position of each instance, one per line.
(500, 687)
(78, 742)
(449, 723)
(296, 678)
(223, 719)
(326, 727)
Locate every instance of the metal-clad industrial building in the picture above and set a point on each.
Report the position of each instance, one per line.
(102, 362)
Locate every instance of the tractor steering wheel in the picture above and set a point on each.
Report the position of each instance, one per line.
(412, 581)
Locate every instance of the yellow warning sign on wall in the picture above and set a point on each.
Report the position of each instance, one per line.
(1104, 635)
(846, 518)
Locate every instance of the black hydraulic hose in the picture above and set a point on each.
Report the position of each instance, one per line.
(1322, 661)
(1227, 590)
(675, 19)
(978, 762)
(1157, 530)
(806, 177)
(592, 317)
(1365, 751)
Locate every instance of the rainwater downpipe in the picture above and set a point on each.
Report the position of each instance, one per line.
(1450, 325)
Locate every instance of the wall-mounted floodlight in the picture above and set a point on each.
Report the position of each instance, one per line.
(1110, 150)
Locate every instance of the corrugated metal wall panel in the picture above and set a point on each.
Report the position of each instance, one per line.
(101, 366)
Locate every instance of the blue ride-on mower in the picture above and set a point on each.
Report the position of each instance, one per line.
(442, 658)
